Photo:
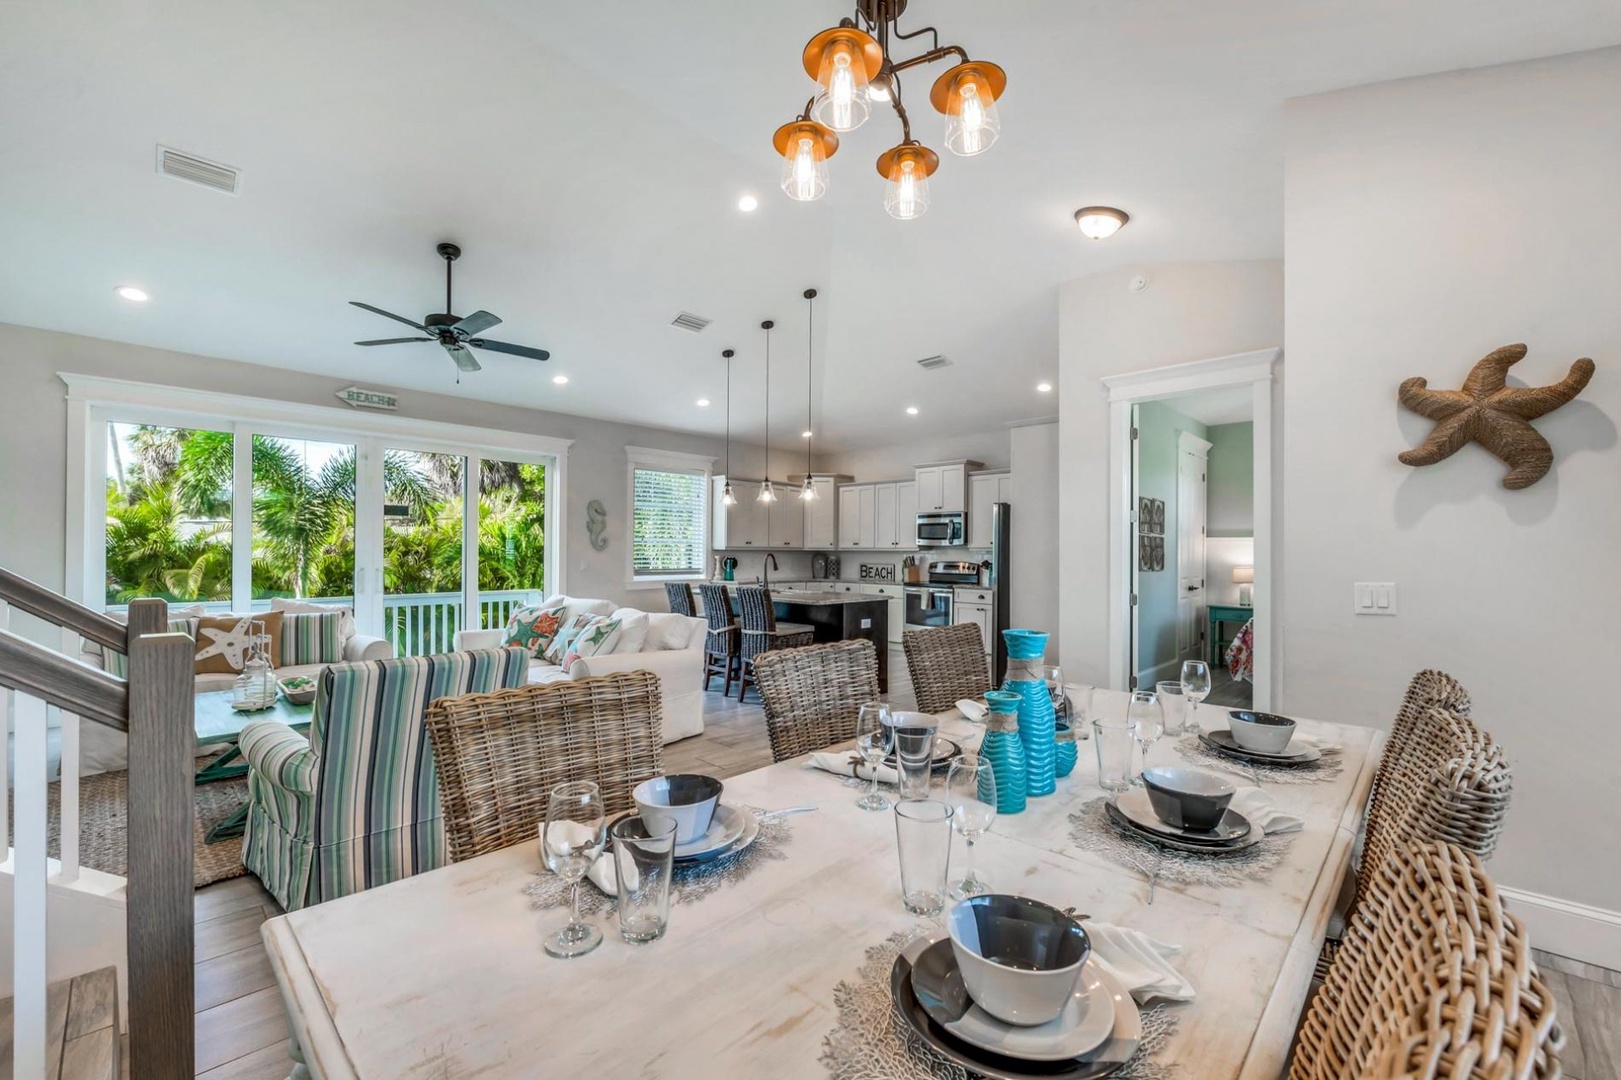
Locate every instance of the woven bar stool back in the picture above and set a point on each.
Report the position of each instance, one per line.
(499, 755)
(946, 665)
(679, 593)
(813, 694)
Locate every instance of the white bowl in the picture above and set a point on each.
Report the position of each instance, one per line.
(686, 799)
(1020, 959)
(1261, 732)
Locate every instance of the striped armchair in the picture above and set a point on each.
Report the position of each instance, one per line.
(356, 803)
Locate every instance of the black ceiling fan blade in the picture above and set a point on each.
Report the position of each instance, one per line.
(462, 355)
(477, 323)
(515, 350)
(393, 340)
(390, 315)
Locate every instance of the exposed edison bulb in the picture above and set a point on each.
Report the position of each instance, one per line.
(727, 496)
(768, 494)
(807, 490)
(906, 196)
(804, 171)
(842, 104)
(973, 126)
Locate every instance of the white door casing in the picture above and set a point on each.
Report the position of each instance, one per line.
(1193, 455)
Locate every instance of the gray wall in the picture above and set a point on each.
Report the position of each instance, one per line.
(1230, 489)
(1033, 561)
(1159, 429)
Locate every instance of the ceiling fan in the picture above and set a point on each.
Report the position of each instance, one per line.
(453, 334)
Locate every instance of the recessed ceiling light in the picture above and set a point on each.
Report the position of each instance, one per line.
(748, 204)
(1100, 222)
(804, 434)
(703, 403)
(1044, 387)
(560, 380)
(911, 410)
(131, 292)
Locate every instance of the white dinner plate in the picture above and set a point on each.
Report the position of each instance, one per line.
(1121, 821)
(725, 827)
(1137, 806)
(1223, 743)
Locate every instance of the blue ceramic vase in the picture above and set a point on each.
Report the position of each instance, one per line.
(1004, 749)
(1025, 651)
(1065, 751)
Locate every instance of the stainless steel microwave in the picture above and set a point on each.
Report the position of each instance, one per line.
(947, 529)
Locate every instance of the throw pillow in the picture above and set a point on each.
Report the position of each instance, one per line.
(311, 638)
(559, 645)
(223, 641)
(633, 626)
(311, 607)
(532, 628)
(116, 663)
(666, 630)
(596, 639)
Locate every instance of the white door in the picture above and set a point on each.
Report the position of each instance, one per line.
(1134, 584)
(1193, 452)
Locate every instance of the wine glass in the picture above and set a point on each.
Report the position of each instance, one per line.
(570, 841)
(1147, 719)
(971, 793)
(872, 740)
(1196, 685)
(1054, 676)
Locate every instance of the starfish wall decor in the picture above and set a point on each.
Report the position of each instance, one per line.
(1492, 413)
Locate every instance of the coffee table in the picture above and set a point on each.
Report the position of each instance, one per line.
(218, 724)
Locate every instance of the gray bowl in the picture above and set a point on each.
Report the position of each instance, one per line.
(688, 799)
(1264, 733)
(1020, 958)
(1188, 798)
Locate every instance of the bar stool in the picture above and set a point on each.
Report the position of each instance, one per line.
(722, 647)
(763, 633)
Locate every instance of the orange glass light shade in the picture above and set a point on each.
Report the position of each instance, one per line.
(842, 61)
(966, 95)
(805, 147)
(906, 170)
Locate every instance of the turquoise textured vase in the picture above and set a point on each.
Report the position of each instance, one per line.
(1064, 750)
(1003, 748)
(1025, 651)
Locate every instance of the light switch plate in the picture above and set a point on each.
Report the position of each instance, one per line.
(866, 624)
(1374, 598)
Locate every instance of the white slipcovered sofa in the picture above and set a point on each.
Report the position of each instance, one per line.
(673, 649)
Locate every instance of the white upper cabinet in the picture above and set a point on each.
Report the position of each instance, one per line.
(943, 487)
(984, 489)
(931, 491)
(745, 524)
(822, 516)
(866, 517)
(906, 514)
(849, 516)
(884, 513)
(786, 519)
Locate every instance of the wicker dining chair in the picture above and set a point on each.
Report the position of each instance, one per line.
(946, 665)
(812, 694)
(499, 755)
(723, 646)
(679, 593)
(1435, 979)
(762, 633)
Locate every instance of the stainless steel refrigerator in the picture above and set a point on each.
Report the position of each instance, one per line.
(1001, 571)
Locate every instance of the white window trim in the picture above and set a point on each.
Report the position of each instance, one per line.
(650, 458)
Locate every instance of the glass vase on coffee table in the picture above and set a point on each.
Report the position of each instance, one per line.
(571, 838)
(873, 742)
(971, 794)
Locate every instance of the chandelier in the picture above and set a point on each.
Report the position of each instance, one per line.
(854, 70)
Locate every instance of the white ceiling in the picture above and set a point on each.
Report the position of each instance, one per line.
(588, 158)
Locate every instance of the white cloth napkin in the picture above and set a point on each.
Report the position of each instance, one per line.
(850, 764)
(1139, 962)
(1319, 743)
(603, 873)
(1262, 811)
(972, 710)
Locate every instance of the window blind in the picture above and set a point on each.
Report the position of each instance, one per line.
(668, 511)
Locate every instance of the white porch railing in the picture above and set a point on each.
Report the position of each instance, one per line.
(420, 624)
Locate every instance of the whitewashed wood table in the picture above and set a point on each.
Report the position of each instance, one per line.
(442, 975)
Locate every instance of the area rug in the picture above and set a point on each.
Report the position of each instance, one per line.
(103, 826)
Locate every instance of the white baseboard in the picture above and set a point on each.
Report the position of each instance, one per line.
(1566, 928)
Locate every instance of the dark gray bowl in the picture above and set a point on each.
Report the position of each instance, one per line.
(1020, 958)
(686, 799)
(1188, 798)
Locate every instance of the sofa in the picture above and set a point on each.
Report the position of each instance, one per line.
(672, 649)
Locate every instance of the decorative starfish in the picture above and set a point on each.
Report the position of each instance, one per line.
(233, 644)
(1490, 412)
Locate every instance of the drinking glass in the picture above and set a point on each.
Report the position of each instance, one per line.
(1114, 744)
(912, 735)
(1174, 700)
(1054, 675)
(644, 854)
(1147, 720)
(570, 841)
(873, 741)
(1080, 709)
(923, 834)
(971, 793)
(1196, 685)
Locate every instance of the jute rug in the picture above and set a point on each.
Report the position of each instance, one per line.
(103, 826)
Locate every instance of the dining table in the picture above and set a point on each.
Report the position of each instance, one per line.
(443, 974)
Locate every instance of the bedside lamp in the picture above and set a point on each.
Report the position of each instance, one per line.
(1244, 578)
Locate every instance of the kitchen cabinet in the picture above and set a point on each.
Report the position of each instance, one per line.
(896, 595)
(984, 489)
(885, 501)
(906, 514)
(849, 516)
(880, 517)
(744, 524)
(977, 613)
(786, 520)
(943, 487)
(822, 516)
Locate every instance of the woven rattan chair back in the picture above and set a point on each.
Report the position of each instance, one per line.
(946, 665)
(679, 593)
(813, 694)
(1434, 979)
(500, 754)
(755, 614)
(717, 607)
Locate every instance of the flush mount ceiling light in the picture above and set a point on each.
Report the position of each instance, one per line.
(560, 380)
(133, 293)
(703, 403)
(1044, 387)
(911, 410)
(1100, 222)
(853, 69)
(748, 204)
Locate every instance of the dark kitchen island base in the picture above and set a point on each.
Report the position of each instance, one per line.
(841, 617)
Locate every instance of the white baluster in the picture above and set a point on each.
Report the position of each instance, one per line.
(69, 791)
(29, 870)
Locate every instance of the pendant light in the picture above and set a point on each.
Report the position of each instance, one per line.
(768, 494)
(842, 61)
(907, 169)
(726, 496)
(805, 147)
(967, 96)
(807, 491)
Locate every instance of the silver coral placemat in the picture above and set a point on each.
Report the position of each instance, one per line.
(871, 1042)
(1091, 830)
(1326, 768)
(689, 882)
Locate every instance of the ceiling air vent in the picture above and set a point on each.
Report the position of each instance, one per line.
(930, 363)
(196, 170)
(690, 322)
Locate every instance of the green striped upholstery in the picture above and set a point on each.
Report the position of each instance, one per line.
(357, 804)
(311, 638)
(114, 662)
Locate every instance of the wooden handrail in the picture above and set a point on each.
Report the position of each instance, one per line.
(69, 685)
(42, 603)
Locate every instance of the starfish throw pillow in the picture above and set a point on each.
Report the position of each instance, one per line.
(224, 641)
(533, 628)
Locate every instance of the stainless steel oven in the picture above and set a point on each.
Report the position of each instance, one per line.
(946, 529)
(928, 607)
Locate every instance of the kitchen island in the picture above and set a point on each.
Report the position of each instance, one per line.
(835, 616)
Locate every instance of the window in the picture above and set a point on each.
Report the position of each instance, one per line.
(511, 539)
(669, 500)
(168, 523)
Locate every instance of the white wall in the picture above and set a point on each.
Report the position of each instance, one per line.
(1033, 560)
(895, 462)
(1190, 311)
(1428, 222)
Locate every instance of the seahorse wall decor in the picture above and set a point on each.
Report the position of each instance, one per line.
(596, 524)
(1497, 416)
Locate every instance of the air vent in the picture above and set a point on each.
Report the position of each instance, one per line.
(690, 322)
(196, 170)
(930, 363)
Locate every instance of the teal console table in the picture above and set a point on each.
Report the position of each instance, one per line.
(1225, 613)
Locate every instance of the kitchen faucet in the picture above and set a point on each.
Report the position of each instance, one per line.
(767, 566)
